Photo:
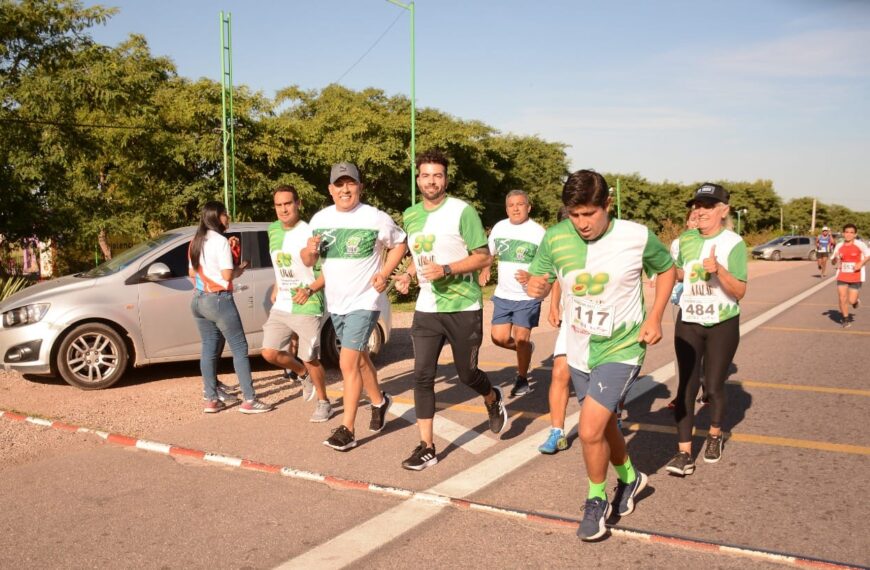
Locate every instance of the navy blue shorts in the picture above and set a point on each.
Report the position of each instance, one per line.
(521, 313)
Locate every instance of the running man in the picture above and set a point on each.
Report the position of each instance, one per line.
(599, 263)
(514, 241)
(852, 255)
(297, 303)
(712, 265)
(350, 238)
(824, 247)
(449, 247)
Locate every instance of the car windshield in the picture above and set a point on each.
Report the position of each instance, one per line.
(129, 256)
(775, 241)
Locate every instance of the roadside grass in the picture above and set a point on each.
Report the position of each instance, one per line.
(408, 306)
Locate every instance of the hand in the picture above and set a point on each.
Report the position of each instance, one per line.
(522, 276)
(484, 276)
(314, 244)
(711, 266)
(403, 283)
(554, 317)
(650, 333)
(379, 282)
(301, 296)
(244, 265)
(274, 295)
(538, 286)
(431, 270)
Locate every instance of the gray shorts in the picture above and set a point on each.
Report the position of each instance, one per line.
(607, 384)
(280, 326)
(354, 329)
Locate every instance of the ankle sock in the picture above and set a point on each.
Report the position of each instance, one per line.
(597, 490)
(626, 472)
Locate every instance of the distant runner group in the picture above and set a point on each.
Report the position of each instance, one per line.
(339, 265)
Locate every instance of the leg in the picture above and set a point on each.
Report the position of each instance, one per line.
(428, 340)
(689, 346)
(212, 342)
(559, 391)
(318, 377)
(501, 336)
(853, 295)
(230, 324)
(464, 332)
(594, 420)
(369, 376)
(523, 348)
(720, 349)
(843, 298)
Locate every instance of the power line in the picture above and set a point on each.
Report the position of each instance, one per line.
(371, 47)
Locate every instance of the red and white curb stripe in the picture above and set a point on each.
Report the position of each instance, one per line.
(433, 498)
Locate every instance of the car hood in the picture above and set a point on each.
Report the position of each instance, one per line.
(46, 290)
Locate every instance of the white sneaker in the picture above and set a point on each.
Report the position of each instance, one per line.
(322, 412)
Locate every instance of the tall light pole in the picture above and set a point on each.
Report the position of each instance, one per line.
(410, 7)
(740, 211)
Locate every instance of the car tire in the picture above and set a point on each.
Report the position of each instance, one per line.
(775, 256)
(813, 255)
(92, 356)
(330, 347)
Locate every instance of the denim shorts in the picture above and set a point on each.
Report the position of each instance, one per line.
(524, 314)
(607, 384)
(354, 329)
(855, 286)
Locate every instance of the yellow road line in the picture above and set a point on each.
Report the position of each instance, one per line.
(799, 388)
(636, 427)
(800, 329)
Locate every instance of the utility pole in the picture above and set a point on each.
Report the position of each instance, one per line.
(813, 223)
(410, 7)
(227, 119)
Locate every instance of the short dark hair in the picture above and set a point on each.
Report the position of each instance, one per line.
(585, 188)
(286, 188)
(432, 156)
(853, 226)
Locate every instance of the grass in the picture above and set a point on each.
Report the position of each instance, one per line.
(408, 306)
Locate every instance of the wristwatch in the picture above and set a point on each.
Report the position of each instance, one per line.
(308, 291)
(447, 271)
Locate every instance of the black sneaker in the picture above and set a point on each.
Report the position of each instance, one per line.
(595, 512)
(681, 464)
(623, 497)
(856, 303)
(379, 413)
(341, 439)
(421, 458)
(521, 387)
(497, 412)
(713, 448)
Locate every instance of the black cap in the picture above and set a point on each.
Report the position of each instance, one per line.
(709, 191)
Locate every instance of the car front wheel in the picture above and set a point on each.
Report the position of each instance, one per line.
(330, 347)
(776, 256)
(813, 255)
(92, 356)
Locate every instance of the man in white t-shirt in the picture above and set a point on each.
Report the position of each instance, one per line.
(514, 241)
(297, 303)
(350, 239)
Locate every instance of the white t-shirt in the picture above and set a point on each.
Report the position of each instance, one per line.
(290, 273)
(515, 245)
(352, 248)
(214, 257)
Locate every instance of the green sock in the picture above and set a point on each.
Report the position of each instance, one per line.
(626, 472)
(596, 490)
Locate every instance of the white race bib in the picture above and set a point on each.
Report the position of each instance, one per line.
(847, 267)
(592, 317)
(699, 309)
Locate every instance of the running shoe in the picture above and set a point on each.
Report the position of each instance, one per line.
(255, 406)
(307, 387)
(421, 458)
(322, 412)
(341, 439)
(681, 464)
(213, 406)
(556, 441)
(498, 417)
(623, 497)
(225, 396)
(856, 303)
(521, 387)
(595, 512)
(713, 448)
(290, 375)
(379, 413)
(847, 322)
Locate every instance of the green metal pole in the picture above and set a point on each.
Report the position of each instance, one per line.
(618, 202)
(232, 114)
(224, 108)
(410, 7)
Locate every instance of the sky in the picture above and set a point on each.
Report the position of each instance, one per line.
(683, 91)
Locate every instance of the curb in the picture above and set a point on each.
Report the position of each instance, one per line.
(554, 521)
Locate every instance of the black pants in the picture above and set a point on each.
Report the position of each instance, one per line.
(716, 346)
(464, 331)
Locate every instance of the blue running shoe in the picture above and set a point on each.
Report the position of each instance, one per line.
(623, 498)
(556, 441)
(595, 512)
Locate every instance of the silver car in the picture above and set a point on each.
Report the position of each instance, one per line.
(786, 247)
(90, 326)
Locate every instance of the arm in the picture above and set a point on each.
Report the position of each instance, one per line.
(484, 276)
(394, 257)
(477, 259)
(554, 317)
(651, 329)
(311, 252)
(304, 293)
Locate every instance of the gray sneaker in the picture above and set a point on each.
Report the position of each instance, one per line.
(681, 464)
(307, 387)
(623, 498)
(322, 412)
(713, 449)
(595, 512)
(225, 396)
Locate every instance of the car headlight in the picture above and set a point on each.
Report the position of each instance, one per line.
(25, 315)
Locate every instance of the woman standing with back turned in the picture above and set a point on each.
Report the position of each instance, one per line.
(214, 310)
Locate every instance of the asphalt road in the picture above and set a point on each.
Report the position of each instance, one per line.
(793, 478)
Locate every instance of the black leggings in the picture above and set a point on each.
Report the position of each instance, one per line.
(716, 345)
(464, 331)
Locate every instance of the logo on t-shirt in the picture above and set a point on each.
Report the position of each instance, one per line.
(423, 243)
(698, 274)
(588, 284)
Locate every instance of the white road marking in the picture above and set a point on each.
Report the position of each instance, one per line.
(455, 433)
(366, 537)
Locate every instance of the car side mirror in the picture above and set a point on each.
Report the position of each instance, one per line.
(157, 272)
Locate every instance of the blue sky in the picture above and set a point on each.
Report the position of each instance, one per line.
(673, 90)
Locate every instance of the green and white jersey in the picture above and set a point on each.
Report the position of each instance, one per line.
(515, 245)
(602, 287)
(443, 236)
(704, 301)
(351, 251)
(290, 273)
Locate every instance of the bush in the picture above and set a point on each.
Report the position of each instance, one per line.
(11, 285)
